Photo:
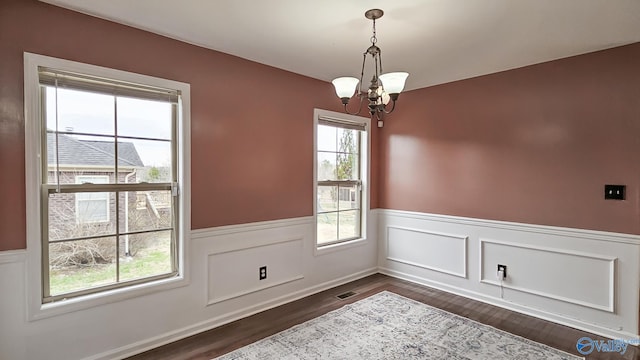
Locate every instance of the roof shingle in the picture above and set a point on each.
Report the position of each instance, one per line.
(73, 151)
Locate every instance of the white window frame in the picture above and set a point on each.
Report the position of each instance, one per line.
(365, 151)
(33, 172)
(104, 179)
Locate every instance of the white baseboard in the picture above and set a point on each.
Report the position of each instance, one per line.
(148, 344)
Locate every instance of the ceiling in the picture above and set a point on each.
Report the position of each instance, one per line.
(436, 41)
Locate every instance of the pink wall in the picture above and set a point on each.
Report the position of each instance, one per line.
(252, 125)
(533, 145)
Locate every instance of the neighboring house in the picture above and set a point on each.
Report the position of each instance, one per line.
(89, 161)
(79, 161)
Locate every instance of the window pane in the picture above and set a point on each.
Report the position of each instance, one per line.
(144, 255)
(151, 161)
(327, 228)
(349, 224)
(80, 111)
(72, 217)
(327, 136)
(81, 264)
(348, 140)
(327, 198)
(144, 118)
(348, 197)
(347, 167)
(146, 210)
(79, 155)
(326, 166)
(92, 210)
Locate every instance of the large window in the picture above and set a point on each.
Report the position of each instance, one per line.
(340, 171)
(108, 156)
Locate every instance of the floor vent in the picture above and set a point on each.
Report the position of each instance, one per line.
(346, 295)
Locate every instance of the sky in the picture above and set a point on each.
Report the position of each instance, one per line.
(86, 112)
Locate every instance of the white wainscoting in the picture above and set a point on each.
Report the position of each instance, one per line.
(591, 286)
(584, 279)
(436, 251)
(283, 260)
(224, 287)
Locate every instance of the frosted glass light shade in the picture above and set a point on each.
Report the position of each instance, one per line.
(345, 86)
(393, 83)
(385, 97)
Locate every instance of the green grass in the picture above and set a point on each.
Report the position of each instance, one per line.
(147, 262)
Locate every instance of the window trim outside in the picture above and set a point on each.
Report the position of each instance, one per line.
(34, 172)
(365, 151)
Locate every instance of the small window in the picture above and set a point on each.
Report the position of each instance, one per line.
(340, 156)
(93, 206)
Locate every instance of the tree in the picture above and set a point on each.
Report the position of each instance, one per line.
(346, 164)
(153, 173)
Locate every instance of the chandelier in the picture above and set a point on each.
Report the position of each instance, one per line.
(383, 87)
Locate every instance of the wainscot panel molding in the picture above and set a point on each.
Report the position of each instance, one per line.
(431, 250)
(282, 260)
(592, 286)
(224, 287)
(580, 278)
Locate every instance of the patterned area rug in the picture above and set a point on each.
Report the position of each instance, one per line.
(390, 326)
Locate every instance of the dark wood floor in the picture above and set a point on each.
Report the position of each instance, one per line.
(221, 340)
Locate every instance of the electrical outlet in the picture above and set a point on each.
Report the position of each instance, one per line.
(614, 192)
(263, 272)
(503, 268)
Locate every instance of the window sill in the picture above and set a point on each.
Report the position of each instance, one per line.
(326, 249)
(43, 311)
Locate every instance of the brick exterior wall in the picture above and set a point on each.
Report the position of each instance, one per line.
(145, 209)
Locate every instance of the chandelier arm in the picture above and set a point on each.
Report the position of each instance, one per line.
(392, 108)
(359, 107)
(364, 60)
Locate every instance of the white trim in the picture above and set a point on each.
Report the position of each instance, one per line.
(540, 314)
(12, 256)
(251, 291)
(365, 171)
(254, 226)
(35, 308)
(169, 337)
(541, 229)
(464, 238)
(331, 248)
(612, 275)
(224, 248)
